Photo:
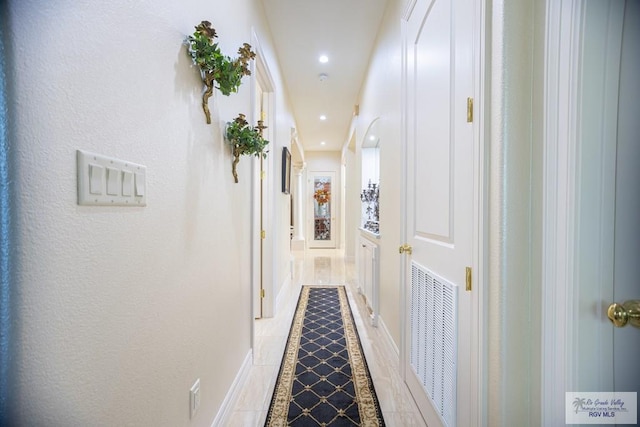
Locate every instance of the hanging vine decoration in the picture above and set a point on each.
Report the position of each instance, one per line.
(245, 140)
(322, 196)
(216, 69)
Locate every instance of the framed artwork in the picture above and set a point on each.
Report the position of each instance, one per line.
(286, 171)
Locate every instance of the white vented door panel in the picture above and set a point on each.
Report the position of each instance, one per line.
(440, 144)
(433, 339)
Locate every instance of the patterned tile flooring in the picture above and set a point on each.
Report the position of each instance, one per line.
(320, 266)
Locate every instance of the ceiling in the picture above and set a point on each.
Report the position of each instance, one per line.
(344, 31)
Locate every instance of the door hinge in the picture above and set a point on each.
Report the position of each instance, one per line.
(468, 276)
(262, 293)
(469, 110)
(263, 174)
(263, 234)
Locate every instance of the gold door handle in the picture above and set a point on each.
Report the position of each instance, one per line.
(628, 312)
(405, 249)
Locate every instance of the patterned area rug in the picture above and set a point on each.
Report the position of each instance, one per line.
(324, 379)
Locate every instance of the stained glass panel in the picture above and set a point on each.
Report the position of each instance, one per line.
(322, 208)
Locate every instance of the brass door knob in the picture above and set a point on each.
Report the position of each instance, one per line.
(405, 249)
(628, 312)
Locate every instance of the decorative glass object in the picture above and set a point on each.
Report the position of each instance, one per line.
(370, 197)
(322, 208)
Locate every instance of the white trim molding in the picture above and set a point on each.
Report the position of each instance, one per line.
(388, 342)
(562, 50)
(222, 417)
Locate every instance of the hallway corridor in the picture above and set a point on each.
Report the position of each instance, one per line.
(321, 267)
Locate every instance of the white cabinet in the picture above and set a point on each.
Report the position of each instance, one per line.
(368, 274)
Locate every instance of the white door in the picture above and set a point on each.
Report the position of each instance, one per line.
(608, 201)
(323, 196)
(440, 141)
(597, 200)
(258, 289)
(608, 198)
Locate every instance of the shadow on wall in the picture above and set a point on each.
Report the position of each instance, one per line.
(6, 213)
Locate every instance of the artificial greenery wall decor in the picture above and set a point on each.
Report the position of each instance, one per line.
(245, 140)
(215, 67)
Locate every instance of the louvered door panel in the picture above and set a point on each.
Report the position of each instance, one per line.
(433, 338)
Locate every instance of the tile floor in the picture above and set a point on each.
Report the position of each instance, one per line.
(320, 266)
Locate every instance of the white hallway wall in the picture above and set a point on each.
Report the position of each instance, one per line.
(512, 115)
(117, 311)
(353, 205)
(380, 97)
(282, 202)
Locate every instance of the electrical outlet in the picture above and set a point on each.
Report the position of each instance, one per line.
(194, 398)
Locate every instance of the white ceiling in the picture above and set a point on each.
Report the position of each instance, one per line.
(345, 31)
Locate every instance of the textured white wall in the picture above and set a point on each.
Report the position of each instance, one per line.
(117, 311)
(515, 200)
(282, 202)
(380, 97)
(353, 205)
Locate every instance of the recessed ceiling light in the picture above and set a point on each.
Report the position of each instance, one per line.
(323, 58)
(322, 143)
(372, 138)
(323, 117)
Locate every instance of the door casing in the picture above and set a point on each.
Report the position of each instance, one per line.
(262, 190)
(335, 213)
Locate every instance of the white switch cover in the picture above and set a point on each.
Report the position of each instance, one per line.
(194, 398)
(127, 183)
(95, 178)
(105, 181)
(112, 181)
(140, 184)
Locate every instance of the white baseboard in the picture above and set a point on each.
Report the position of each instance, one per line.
(281, 292)
(222, 418)
(388, 342)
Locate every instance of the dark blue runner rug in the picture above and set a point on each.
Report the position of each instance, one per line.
(324, 379)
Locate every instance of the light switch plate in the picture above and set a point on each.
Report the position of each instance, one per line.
(105, 181)
(194, 398)
(113, 178)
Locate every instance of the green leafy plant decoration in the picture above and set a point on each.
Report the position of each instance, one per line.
(217, 70)
(245, 140)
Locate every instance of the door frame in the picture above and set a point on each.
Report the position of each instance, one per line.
(262, 216)
(566, 137)
(480, 234)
